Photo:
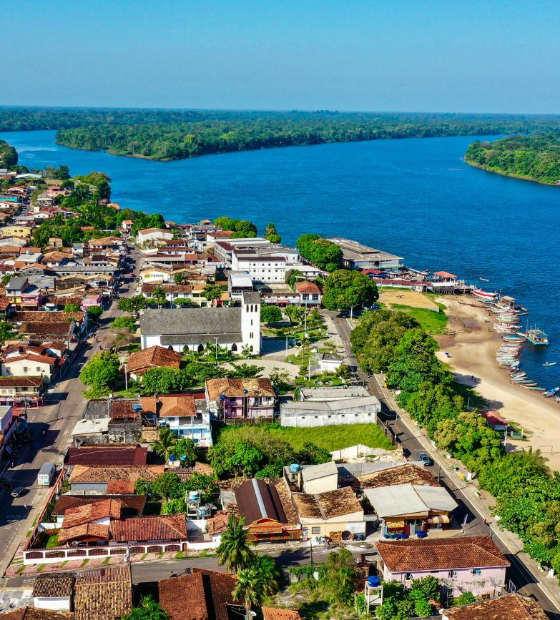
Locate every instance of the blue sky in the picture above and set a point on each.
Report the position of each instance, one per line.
(407, 55)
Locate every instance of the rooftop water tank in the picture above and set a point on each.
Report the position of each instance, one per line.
(373, 582)
(194, 496)
(203, 512)
(294, 468)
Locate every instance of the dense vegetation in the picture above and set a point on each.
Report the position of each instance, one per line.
(8, 155)
(321, 252)
(535, 157)
(527, 493)
(346, 290)
(175, 135)
(241, 228)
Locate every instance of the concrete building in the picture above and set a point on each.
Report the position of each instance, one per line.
(330, 513)
(359, 256)
(466, 564)
(361, 410)
(235, 328)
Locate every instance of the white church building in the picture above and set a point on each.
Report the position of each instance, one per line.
(237, 328)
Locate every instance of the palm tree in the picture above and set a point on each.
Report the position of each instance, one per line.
(164, 445)
(256, 582)
(234, 550)
(149, 609)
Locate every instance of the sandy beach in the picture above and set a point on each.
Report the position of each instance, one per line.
(472, 344)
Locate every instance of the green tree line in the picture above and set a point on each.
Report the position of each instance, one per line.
(214, 132)
(535, 157)
(527, 493)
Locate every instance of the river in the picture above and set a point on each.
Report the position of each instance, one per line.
(414, 197)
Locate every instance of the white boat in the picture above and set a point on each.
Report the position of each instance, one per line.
(550, 363)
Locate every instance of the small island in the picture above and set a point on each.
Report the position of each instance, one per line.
(534, 157)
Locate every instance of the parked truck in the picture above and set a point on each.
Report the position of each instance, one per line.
(46, 474)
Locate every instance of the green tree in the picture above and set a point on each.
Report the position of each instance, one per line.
(165, 444)
(346, 290)
(149, 609)
(6, 331)
(270, 314)
(212, 292)
(185, 451)
(159, 296)
(167, 486)
(132, 304)
(235, 550)
(71, 308)
(125, 322)
(245, 371)
(254, 583)
(101, 372)
(95, 312)
(271, 234)
(164, 380)
(296, 314)
(467, 598)
(321, 252)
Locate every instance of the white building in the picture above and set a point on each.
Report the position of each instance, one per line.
(361, 410)
(236, 328)
(154, 235)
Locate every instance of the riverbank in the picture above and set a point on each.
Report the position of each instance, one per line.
(472, 345)
(521, 177)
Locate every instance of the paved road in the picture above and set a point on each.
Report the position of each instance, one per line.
(519, 573)
(157, 570)
(56, 421)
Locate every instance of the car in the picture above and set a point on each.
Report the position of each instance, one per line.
(18, 491)
(426, 460)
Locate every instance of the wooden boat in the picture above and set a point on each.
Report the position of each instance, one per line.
(550, 363)
(485, 296)
(552, 392)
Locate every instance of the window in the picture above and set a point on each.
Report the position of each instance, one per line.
(452, 574)
(476, 571)
(315, 530)
(25, 369)
(408, 576)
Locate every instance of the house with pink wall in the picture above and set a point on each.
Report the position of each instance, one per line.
(240, 399)
(467, 564)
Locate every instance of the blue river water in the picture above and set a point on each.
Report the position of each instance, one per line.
(415, 198)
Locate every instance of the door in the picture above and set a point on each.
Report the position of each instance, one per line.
(412, 527)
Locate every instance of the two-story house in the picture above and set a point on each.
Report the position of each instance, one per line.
(185, 414)
(241, 399)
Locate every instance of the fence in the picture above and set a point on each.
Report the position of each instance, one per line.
(54, 556)
(55, 489)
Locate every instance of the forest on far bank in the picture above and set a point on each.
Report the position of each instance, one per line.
(176, 134)
(535, 157)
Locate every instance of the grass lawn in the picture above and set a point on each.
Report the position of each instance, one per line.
(432, 322)
(328, 437)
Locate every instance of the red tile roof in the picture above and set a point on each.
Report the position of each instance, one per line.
(509, 607)
(307, 287)
(237, 387)
(83, 473)
(275, 613)
(87, 531)
(153, 357)
(20, 382)
(107, 455)
(209, 595)
(137, 529)
(104, 594)
(120, 487)
(103, 509)
(131, 505)
(176, 405)
(441, 554)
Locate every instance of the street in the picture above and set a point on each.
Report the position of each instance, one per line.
(50, 426)
(519, 573)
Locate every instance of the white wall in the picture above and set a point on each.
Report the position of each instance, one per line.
(61, 603)
(250, 326)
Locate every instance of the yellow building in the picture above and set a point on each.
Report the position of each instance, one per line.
(23, 232)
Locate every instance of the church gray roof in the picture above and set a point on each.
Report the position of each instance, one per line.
(209, 322)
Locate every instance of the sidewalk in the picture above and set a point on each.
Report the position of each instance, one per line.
(478, 498)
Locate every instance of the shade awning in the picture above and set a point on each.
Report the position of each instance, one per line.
(438, 519)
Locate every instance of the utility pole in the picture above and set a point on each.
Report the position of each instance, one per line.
(125, 378)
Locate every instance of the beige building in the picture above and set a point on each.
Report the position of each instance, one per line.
(330, 513)
(313, 479)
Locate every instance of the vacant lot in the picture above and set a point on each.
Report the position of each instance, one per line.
(405, 297)
(328, 437)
